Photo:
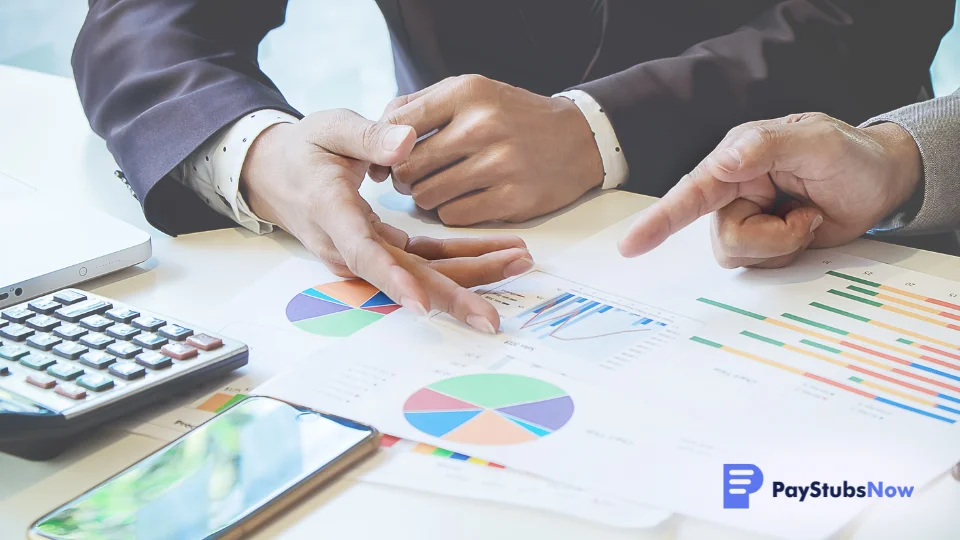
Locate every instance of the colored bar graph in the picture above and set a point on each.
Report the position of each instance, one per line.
(850, 344)
(864, 371)
(892, 369)
(897, 310)
(868, 395)
(901, 292)
(219, 402)
(429, 450)
(903, 302)
(884, 325)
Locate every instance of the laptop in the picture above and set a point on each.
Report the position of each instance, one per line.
(50, 243)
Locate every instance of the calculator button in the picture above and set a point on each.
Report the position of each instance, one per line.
(205, 342)
(96, 341)
(69, 350)
(44, 306)
(123, 315)
(4, 371)
(180, 351)
(150, 341)
(44, 342)
(16, 332)
(154, 360)
(82, 309)
(71, 391)
(69, 297)
(124, 350)
(64, 372)
(13, 352)
(150, 324)
(42, 380)
(97, 323)
(176, 332)
(122, 331)
(97, 359)
(17, 314)
(4, 322)
(127, 370)
(37, 362)
(70, 331)
(43, 323)
(95, 382)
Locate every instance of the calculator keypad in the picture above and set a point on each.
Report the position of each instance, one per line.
(71, 350)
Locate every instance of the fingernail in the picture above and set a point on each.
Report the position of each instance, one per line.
(517, 267)
(414, 306)
(817, 221)
(730, 160)
(481, 324)
(395, 137)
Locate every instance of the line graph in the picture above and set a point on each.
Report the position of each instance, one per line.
(578, 320)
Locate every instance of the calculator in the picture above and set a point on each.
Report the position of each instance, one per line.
(73, 360)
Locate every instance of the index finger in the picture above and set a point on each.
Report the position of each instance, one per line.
(363, 253)
(697, 194)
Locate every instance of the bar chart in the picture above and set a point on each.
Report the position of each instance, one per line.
(867, 339)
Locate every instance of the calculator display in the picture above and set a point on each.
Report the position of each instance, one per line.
(210, 479)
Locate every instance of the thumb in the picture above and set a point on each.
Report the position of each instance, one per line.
(348, 134)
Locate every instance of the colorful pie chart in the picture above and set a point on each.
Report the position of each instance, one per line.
(339, 309)
(489, 409)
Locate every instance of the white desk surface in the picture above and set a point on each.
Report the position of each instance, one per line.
(45, 141)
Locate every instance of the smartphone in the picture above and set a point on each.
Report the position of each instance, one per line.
(221, 480)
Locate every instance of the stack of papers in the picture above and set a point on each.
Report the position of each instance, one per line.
(665, 381)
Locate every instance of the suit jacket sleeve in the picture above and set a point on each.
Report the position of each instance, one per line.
(851, 59)
(935, 208)
(157, 79)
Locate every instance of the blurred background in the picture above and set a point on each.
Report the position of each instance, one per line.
(39, 35)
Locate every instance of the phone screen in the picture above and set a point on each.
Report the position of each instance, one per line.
(213, 477)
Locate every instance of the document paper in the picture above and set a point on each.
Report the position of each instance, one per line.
(641, 378)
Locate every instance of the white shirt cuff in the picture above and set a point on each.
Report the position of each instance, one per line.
(615, 170)
(213, 170)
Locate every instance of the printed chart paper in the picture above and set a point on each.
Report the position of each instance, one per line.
(282, 318)
(835, 369)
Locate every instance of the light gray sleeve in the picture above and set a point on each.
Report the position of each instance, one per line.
(935, 126)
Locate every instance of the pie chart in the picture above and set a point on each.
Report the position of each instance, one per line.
(489, 409)
(339, 309)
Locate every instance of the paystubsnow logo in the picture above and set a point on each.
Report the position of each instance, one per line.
(742, 480)
(739, 481)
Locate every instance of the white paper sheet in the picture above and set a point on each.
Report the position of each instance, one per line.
(257, 317)
(658, 413)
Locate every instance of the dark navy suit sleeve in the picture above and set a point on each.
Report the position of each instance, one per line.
(157, 78)
(852, 59)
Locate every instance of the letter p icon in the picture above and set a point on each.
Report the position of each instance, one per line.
(739, 481)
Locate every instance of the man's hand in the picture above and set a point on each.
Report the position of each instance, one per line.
(501, 153)
(841, 180)
(305, 178)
